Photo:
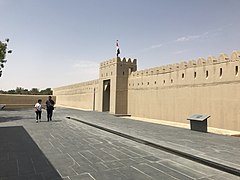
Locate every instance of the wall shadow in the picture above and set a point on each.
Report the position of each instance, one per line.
(21, 158)
(12, 118)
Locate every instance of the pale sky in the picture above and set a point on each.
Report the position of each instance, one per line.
(61, 42)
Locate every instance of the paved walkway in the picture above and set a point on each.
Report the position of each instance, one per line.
(67, 149)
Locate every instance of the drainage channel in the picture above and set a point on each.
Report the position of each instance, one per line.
(200, 160)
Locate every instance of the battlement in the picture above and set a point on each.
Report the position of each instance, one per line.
(223, 58)
(77, 85)
(118, 60)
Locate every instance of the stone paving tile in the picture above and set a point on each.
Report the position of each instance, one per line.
(108, 175)
(151, 158)
(130, 173)
(82, 177)
(196, 166)
(181, 168)
(128, 162)
(119, 144)
(54, 175)
(25, 166)
(153, 172)
(103, 155)
(41, 165)
(93, 140)
(99, 167)
(92, 158)
(116, 153)
(61, 159)
(100, 146)
(159, 154)
(113, 164)
(73, 150)
(78, 158)
(66, 171)
(170, 171)
(65, 178)
(8, 168)
(138, 151)
(84, 168)
(223, 176)
(29, 177)
(128, 152)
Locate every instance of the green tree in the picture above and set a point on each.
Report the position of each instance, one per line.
(19, 90)
(47, 91)
(25, 91)
(3, 51)
(11, 91)
(34, 91)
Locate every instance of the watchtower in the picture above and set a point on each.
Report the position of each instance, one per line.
(113, 84)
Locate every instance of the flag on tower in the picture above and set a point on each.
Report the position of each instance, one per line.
(118, 50)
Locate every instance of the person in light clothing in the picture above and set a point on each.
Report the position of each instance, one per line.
(38, 110)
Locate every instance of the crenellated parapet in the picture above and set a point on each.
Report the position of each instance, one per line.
(79, 88)
(117, 67)
(114, 61)
(235, 56)
(222, 58)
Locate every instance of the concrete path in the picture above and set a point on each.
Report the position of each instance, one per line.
(68, 149)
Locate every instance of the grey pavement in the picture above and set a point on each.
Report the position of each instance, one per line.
(71, 150)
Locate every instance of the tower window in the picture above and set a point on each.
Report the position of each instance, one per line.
(236, 70)
(206, 74)
(183, 75)
(220, 72)
(195, 75)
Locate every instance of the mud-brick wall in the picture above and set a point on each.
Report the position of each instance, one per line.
(82, 95)
(22, 101)
(174, 92)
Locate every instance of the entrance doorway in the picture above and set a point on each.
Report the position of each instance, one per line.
(106, 95)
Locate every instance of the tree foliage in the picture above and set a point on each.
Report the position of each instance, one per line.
(3, 51)
(33, 91)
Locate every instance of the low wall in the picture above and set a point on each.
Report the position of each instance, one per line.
(22, 101)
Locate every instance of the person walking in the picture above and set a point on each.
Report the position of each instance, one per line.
(38, 110)
(50, 107)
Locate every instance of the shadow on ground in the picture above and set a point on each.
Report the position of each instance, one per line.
(20, 157)
(13, 118)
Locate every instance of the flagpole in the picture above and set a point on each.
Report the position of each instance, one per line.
(117, 49)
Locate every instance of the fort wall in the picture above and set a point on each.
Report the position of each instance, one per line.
(172, 92)
(176, 91)
(81, 95)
